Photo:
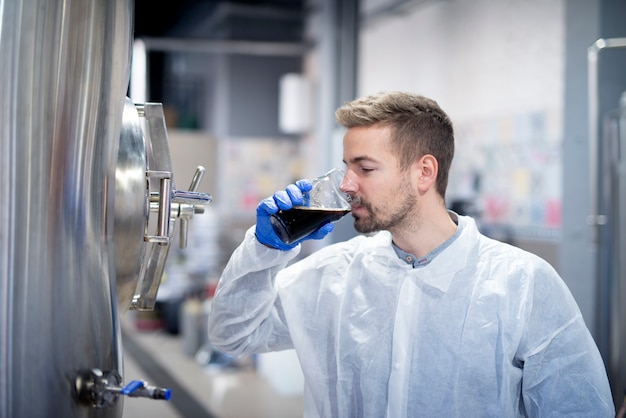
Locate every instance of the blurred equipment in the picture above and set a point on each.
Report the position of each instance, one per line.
(608, 220)
(87, 197)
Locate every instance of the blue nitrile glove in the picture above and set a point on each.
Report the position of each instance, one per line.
(284, 199)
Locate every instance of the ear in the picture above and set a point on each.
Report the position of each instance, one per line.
(426, 169)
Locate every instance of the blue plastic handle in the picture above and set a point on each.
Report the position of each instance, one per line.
(131, 387)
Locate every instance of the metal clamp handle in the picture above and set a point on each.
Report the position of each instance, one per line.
(164, 207)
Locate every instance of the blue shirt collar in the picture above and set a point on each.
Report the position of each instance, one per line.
(423, 261)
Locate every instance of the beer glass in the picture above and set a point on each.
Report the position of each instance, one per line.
(324, 203)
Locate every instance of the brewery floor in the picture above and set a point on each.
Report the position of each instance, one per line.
(197, 391)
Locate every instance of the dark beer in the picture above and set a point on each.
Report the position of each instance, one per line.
(299, 221)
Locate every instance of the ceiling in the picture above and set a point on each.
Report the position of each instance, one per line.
(251, 20)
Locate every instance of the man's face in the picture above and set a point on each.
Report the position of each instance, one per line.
(383, 196)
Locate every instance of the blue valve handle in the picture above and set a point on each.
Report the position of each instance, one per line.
(131, 387)
(138, 388)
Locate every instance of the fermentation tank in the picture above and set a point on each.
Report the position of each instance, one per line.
(89, 205)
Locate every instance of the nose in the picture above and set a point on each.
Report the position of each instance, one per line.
(347, 184)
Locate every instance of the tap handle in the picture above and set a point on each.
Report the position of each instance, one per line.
(190, 202)
(197, 177)
(139, 388)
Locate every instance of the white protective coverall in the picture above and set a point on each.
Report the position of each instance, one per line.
(484, 329)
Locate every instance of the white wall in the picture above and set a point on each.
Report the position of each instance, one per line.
(476, 57)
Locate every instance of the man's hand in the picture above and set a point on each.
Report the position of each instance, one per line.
(285, 200)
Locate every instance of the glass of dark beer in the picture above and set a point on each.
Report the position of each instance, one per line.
(324, 203)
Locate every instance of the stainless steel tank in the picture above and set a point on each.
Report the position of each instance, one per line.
(64, 73)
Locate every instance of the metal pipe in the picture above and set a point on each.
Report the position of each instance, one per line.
(604, 222)
(595, 218)
(280, 49)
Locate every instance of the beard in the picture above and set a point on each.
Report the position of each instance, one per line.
(390, 215)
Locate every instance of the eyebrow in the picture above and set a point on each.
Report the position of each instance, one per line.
(361, 159)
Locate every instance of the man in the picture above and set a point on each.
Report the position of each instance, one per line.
(421, 315)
